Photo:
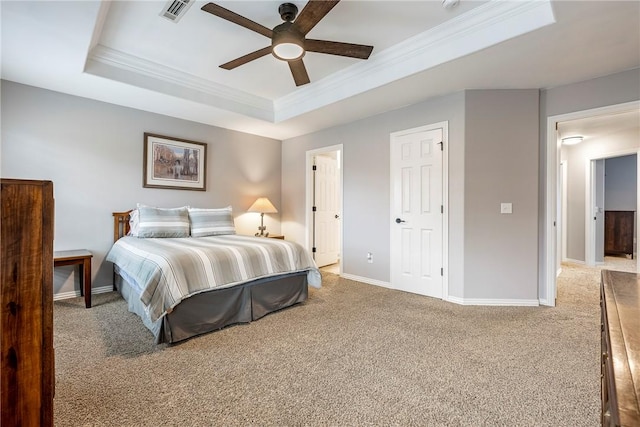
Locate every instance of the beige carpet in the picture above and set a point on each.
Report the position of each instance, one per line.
(352, 355)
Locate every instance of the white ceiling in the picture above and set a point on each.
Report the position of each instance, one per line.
(125, 53)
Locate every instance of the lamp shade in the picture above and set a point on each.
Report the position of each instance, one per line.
(262, 205)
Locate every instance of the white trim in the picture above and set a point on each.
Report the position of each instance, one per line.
(565, 207)
(310, 154)
(74, 294)
(496, 302)
(486, 25)
(483, 26)
(455, 300)
(121, 66)
(552, 158)
(589, 234)
(368, 281)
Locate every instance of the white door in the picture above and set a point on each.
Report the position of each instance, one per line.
(417, 211)
(598, 211)
(327, 211)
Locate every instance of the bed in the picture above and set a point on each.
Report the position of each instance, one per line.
(186, 285)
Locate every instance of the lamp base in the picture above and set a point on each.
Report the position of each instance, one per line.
(261, 231)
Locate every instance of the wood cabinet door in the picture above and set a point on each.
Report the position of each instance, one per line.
(26, 303)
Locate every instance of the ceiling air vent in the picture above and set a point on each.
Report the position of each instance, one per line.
(175, 9)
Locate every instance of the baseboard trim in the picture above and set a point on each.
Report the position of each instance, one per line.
(544, 302)
(495, 302)
(455, 300)
(574, 261)
(75, 294)
(366, 280)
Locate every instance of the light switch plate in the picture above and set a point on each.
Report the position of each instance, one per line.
(506, 208)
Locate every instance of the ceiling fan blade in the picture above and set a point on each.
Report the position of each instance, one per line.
(246, 58)
(312, 13)
(299, 72)
(223, 13)
(337, 48)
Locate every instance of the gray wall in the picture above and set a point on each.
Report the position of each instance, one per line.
(366, 209)
(490, 256)
(92, 151)
(599, 92)
(501, 165)
(621, 185)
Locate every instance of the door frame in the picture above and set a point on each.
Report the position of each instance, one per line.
(445, 197)
(552, 166)
(310, 154)
(562, 221)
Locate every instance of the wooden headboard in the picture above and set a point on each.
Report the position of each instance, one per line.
(120, 224)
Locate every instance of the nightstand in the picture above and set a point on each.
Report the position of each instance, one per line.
(81, 258)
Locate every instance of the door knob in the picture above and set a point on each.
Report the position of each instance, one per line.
(398, 220)
(337, 216)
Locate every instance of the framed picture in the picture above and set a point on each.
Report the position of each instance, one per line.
(174, 163)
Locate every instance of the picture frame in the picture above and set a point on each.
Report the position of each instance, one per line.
(165, 166)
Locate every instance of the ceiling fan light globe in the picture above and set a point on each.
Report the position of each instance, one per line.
(288, 51)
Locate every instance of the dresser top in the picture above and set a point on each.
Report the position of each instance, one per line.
(621, 293)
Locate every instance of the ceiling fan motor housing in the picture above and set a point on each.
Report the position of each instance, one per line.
(287, 42)
(288, 11)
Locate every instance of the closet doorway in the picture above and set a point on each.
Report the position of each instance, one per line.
(324, 207)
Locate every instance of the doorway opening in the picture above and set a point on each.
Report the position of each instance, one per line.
(324, 207)
(611, 207)
(555, 189)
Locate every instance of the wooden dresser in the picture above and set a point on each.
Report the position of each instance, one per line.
(618, 232)
(26, 303)
(620, 356)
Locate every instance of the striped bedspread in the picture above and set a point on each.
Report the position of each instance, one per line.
(169, 270)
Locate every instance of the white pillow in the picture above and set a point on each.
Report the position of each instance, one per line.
(134, 219)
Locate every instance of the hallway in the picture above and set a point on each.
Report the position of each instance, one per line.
(587, 278)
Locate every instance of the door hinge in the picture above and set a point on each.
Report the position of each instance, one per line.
(441, 208)
(441, 144)
(315, 167)
(442, 271)
(314, 209)
(313, 250)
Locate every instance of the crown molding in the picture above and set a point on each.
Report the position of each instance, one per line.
(117, 65)
(484, 26)
(481, 27)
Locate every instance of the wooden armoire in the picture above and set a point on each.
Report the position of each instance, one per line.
(26, 303)
(619, 232)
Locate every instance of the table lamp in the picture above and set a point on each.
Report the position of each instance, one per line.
(262, 205)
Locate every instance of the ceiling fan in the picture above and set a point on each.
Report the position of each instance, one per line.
(288, 41)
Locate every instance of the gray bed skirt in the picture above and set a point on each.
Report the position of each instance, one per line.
(215, 309)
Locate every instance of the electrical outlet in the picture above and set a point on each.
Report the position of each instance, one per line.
(369, 257)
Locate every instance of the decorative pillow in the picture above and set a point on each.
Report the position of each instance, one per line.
(211, 222)
(159, 222)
